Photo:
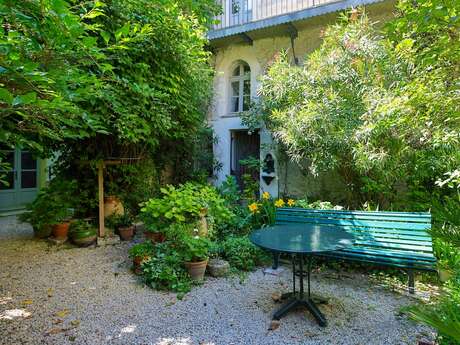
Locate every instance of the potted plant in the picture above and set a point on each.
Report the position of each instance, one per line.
(154, 235)
(51, 210)
(195, 251)
(125, 226)
(139, 253)
(82, 233)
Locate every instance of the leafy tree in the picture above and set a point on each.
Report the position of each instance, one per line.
(372, 109)
(99, 79)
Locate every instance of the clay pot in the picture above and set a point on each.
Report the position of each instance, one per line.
(127, 233)
(61, 230)
(155, 237)
(84, 241)
(113, 206)
(137, 262)
(196, 269)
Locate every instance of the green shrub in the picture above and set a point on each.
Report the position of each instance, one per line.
(143, 249)
(194, 248)
(185, 204)
(444, 316)
(52, 206)
(242, 254)
(165, 271)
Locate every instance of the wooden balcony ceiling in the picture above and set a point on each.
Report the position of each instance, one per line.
(285, 18)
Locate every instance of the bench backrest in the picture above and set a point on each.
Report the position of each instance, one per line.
(402, 231)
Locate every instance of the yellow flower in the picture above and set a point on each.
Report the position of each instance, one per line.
(253, 207)
(266, 195)
(279, 203)
(291, 202)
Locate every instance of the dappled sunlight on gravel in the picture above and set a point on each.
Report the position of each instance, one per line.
(90, 296)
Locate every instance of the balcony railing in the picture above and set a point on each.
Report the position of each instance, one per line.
(239, 12)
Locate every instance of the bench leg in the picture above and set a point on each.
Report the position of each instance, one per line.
(276, 260)
(411, 281)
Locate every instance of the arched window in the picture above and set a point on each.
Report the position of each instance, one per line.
(240, 85)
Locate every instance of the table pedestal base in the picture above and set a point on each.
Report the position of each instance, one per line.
(301, 299)
(295, 303)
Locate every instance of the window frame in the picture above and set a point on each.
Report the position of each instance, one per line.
(240, 79)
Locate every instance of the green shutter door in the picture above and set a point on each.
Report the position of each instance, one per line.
(22, 178)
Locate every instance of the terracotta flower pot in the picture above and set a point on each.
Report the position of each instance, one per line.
(196, 269)
(61, 230)
(137, 262)
(155, 237)
(127, 233)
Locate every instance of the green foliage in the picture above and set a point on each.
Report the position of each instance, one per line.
(144, 250)
(448, 255)
(113, 74)
(52, 205)
(194, 248)
(116, 221)
(378, 111)
(242, 254)
(444, 316)
(164, 270)
(317, 205)
(184, 204)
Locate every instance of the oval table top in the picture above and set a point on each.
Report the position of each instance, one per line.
(301, 238)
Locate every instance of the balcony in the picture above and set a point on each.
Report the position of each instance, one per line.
(241, 16)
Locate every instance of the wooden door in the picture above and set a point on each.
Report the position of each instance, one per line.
(244, 146)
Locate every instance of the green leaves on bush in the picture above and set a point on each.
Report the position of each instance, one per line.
(379, 109)
(184, 204)
(165, 270)
(242, 254)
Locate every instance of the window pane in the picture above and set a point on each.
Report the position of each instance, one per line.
(27, 161)
(236, 71)
(234, 106)
(8, 158)
(246, 102)
(247, 88)
(247, 70)
(235, 88)
(28, 179)
(9, 178)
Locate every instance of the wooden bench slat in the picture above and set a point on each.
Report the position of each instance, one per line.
(357, 223)
(388, 253)
(388, 261)
(422, 234)
(379, 214)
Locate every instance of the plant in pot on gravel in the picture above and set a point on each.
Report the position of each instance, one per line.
(51, 210)
(165, 270)
(124, 225)
(139, 253)
(82, 233)
(195, 251)
(190, 203)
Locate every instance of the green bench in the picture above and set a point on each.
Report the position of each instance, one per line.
(396, 239)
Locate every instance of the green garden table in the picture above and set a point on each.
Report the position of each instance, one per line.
(302, 241)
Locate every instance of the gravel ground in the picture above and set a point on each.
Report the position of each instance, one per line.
(89, 296)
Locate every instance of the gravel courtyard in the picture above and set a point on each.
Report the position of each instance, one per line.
(90, 296)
